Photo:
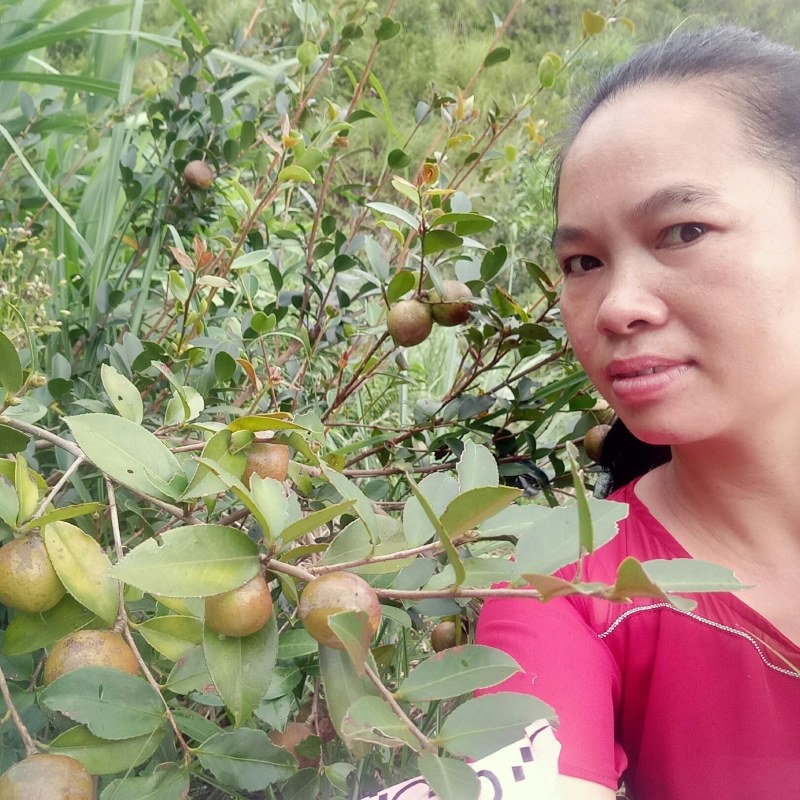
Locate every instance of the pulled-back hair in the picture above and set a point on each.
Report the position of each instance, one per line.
(760, 80)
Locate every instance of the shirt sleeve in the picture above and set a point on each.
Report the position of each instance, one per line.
(566, 664)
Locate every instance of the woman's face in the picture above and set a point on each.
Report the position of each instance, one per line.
(681, 253)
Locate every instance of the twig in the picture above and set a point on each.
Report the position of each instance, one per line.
(426, 743)
(27, 739)
(57, 488)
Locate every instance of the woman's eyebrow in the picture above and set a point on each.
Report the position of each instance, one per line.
(679, 195)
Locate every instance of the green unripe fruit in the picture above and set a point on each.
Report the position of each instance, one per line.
(409, 322)
(47, 776)
(451, 307)
(28, 581)
(241, 611)
(198, 174)
(101, 648)
(334, 593)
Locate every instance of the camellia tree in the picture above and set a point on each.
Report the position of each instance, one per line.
(273, 423)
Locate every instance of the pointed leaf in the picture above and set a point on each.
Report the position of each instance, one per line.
(349, 491)
(246, 759)
(173, 636)
(10, 366)
(371, 719)
(166, 783)
(58, 514)
(124, 396)
(83, 568)
(497, 56)
(270, 497)
(242, 667)
(476, 467)
(449, 778)
(398, 213)
(472, 507)
(690, 575)
(485, 724)
(104, 757)
(439, 489)
(111, 703)
(129, 454)
(316, 519)
(585, 527)
(352, 629)
(193, 561)
(218, 449)
(438, 240)
(457, 671)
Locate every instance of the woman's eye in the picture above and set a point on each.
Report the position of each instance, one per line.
(578, 265)
(684, 233)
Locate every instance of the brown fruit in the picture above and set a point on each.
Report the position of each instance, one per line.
(409, 322)
(331, 594)
(593, 441)
(267, 460)
(452, 306)
(241, 611)
(47, 776)
(101, 648)
(28, 581)
(290, 737)
(443, 636)
(198, 174)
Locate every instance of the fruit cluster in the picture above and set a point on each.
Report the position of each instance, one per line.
(410, 321)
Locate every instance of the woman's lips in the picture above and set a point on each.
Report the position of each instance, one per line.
(644, 380)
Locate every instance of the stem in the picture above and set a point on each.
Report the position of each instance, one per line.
(57, 488)
(426, 743)
(422, 594)
(27, 739)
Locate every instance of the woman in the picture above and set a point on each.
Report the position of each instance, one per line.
(679, 238)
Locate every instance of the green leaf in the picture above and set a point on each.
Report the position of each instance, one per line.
(173, 635)
(349, 491)
(691, 575)
(316, 519)
(9, 503)
(548, 69)
(246, 760)
(398, 159)
(466, 222)
(449, 778)
(592, 23)
(270, 497)
(371, 719)
(548, 538)
(387, 29)
(10, 366)
(343, 688)
(189, 673)
(129, 454)
(29, 632)
(295, 173)
(401, 282)
(11, 441)
(485, 724)
(585, 527)
(398, 213)
(104, 757)
(241, 667)
(111, 703)
(168, 782)
(304, 785)
(441, 530)
(296, 643)
(218, 449)
(83, 567)
(188, 405)
(59, 514)
(352, 629)
(192, 561)
(81, 83)
(476, 467)
(124, 396)
(457, 671)
(474, 506)
(439, 489)
(265, 422)
(438, 240)
(497, 56)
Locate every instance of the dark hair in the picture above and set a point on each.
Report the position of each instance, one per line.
(758, 78)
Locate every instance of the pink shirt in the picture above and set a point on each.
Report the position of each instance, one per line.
(680, 705)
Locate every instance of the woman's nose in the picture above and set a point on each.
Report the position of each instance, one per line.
(629, 303)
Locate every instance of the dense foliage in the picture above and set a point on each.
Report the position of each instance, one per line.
(209, 217)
